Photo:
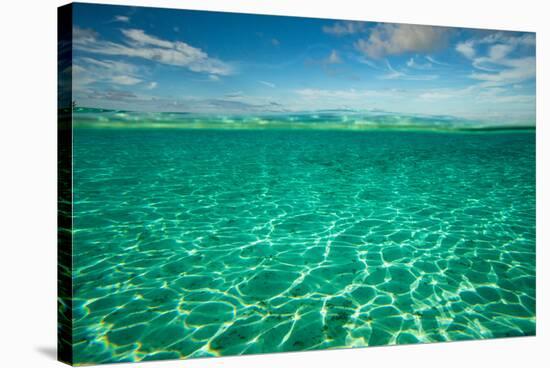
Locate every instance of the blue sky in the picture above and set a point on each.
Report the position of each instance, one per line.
(149, 59)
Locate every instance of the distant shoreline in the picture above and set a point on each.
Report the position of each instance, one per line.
(329, 120)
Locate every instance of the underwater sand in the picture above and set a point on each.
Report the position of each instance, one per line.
(194, 243)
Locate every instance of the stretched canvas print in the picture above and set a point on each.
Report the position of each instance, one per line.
(238, 184)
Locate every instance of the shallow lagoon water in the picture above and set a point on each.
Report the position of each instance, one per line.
(194, 243)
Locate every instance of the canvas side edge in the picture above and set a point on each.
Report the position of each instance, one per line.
(64, 186)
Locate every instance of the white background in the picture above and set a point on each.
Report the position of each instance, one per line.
(28, 180)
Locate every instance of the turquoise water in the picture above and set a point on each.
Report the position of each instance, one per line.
(208, 242)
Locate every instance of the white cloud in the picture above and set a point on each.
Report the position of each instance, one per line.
(515, 71)
(234, 95)
(369, 62)
(484, 103)
(499, 51)
(139, 44)
(122, 18)
(496, 67)
(414, 64)
(434, 95)
(527, 39)
(503, 44)
(342, 95)
(268, 84)
(395, 74)
(333, 58)
(345, 28)
(395, 39)
(392, 73)
(152, 85)
(313, 93)
(88, 71)
(434, 61)
(84, 35)
(125, 80)
(141, 38)
(466, 49)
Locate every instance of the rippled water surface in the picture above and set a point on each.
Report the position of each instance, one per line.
(193, 243)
